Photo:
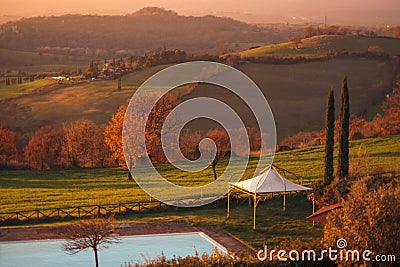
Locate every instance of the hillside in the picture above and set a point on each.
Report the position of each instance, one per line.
(296, 94)
(136, 33)
(26, 111)
(40, 62)
(320, 45)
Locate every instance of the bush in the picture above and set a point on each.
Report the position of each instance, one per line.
(369, 219)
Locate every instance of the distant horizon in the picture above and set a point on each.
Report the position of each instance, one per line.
(357, 12)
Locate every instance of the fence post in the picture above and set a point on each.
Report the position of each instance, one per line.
(79, 213)
(58, 212)
(139, 206)
(98, 210)
(17, 213)
(38, 215)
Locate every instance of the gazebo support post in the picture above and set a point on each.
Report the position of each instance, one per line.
(255, 210)
(284, 201)
(229, 194)
(313, 205)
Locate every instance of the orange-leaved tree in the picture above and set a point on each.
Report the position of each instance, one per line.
(8, 150)
(83, 144)
(113, 136)
(44, 148)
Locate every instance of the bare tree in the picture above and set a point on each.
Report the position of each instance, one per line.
(93, 233)
(223, 146)
(296, 41)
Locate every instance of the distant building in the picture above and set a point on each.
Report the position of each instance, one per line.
(59, 78)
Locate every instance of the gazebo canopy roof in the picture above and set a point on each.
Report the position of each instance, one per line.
(268, 182)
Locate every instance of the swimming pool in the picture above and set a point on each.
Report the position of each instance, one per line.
(49, 253)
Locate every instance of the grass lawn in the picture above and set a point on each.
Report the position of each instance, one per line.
(26, 190)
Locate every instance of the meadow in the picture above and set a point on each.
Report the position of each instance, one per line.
(26, 190)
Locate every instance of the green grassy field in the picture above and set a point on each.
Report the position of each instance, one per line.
(26, 190)
(320, 45)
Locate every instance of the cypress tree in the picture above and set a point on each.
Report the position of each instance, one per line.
(330, 137)
(343, 157)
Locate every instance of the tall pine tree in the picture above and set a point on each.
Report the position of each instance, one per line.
(343, 157)
(330, 137)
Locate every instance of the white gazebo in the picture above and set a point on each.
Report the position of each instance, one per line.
(267, 183)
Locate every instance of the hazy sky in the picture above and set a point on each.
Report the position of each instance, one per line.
(382, 9)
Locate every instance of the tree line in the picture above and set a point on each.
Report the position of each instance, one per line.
(124, 64)
(82, 143)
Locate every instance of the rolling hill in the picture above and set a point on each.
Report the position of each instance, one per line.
(296, 94)
(318, 46)
(145, 30)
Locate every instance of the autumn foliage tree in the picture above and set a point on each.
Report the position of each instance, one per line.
(369, 219)
(8, 150)
(83, 144)
(44, 148)
(113, 136)
(391, 108)
(153, 130)
(154, 127)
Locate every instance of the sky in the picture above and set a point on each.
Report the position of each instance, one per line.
(381, 11)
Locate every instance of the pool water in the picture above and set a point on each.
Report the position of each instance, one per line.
(129, 249)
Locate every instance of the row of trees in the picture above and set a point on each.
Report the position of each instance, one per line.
(17, 80)
(343, 157)
(311, 31)
(75, 144)
(131, 63)
(84, 144)
(189, 140)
